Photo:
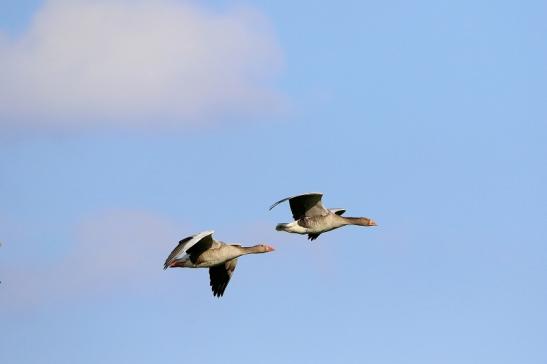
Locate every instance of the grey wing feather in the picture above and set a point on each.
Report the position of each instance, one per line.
(176, 252)
(220, 276)
(307, 204)
(191, 245)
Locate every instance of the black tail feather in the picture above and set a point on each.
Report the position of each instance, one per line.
(280, 227)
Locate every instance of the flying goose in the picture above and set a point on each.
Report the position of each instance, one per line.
(202, 251)
(312, 218)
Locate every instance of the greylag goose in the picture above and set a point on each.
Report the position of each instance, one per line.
(202, 251)
(312, 218)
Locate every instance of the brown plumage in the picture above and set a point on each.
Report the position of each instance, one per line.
(313, 219)
(202, 251)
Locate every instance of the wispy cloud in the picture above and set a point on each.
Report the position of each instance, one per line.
(125, 63)
(112, 251)
(118, 252)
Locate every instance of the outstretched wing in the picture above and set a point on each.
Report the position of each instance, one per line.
(220, 276)
(191, 247)
(305, 205)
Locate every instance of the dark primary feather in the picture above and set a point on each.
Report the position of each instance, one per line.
(290, 197)
(204, 244)
(220, 276)
(308, 204)
(312, 237)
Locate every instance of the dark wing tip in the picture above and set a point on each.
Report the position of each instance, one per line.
(312, 237)
(220, 276)
(219, 279)
(277, 203)
(218, 289)
(291, 197)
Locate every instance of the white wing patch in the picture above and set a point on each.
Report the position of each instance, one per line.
(182, 255)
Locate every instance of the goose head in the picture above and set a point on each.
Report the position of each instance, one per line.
(260, 248)
(264, 248)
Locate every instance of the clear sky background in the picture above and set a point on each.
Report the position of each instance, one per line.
(126, 126)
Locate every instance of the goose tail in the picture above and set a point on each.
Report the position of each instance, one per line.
(281, 227)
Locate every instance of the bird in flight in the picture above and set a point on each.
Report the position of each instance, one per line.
(202, 251)
(312, 218)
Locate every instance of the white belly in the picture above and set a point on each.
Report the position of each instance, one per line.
(293, 227)
(316, 225)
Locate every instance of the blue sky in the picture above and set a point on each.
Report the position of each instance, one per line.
(429, 118)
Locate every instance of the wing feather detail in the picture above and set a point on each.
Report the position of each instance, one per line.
(220, 276)
(205, 240)
(305, 205)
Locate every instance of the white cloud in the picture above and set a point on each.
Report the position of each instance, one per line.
(131, 62)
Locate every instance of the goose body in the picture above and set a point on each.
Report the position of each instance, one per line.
(313, 224)
(202, 251)
(313, 219)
